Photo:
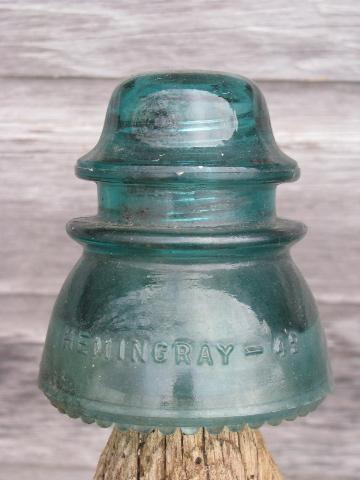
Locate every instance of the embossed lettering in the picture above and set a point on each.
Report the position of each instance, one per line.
(122, 346)
(159, 352)
(108, 348)
(97, 346)
(83, 343)
(286, 343)
(182, 353)
(205, 355)
(68, 341)
(225, 351)
(139, 351)
(279, 347)
(293, 342)
(253, 350)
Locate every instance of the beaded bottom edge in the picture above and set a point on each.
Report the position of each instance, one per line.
(257, 421)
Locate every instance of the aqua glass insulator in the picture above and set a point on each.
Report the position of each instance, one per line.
(185, 309)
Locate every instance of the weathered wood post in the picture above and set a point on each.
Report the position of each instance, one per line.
(203, 456)
(186, 319)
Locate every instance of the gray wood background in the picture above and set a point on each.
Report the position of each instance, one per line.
(60, 61)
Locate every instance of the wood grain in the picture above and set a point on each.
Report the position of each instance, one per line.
(226, 456)
(124, 447)
(46, 125)
(298, 40)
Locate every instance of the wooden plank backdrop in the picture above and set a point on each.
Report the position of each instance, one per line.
(269, 39)
(60, 61)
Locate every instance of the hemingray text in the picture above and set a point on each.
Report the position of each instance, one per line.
(180, 351)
